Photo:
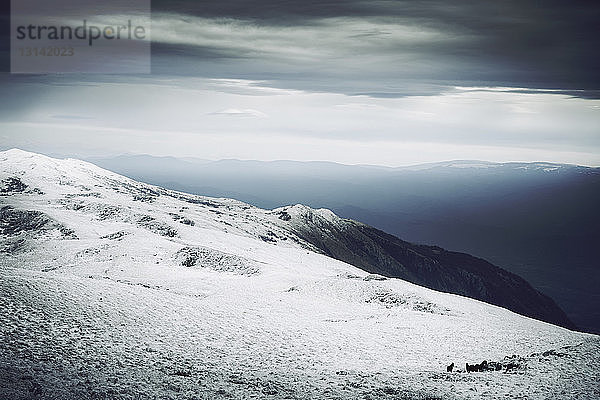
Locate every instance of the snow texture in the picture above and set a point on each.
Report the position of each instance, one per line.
(107, 293)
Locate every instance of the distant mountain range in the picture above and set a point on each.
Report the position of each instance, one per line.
(538, 220)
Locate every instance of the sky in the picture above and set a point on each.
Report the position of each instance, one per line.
(358, 82)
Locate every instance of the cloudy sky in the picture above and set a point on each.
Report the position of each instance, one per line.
(377, 82)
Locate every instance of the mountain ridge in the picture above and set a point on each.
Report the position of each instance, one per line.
(113, 288)
(458, 163)
(378, 252)
(537, 221)
(431, 266)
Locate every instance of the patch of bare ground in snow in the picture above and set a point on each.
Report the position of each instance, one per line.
(203, 257)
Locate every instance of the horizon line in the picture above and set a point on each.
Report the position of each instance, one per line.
(380, 166)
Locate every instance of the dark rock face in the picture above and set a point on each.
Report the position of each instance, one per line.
(155, 226)
(115, 236)
(380, 253)
(11, 185)
(203, 257)
(14, 221)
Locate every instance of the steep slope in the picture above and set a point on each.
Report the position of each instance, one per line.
(110, 288)
(348, 241)
(537, 220)
(433, 267)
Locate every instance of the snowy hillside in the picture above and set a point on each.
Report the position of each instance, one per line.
(537, 220)
(378, 252)
(110, 288)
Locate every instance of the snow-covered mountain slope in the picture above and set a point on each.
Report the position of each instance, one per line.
(378, 252)
(111, 288)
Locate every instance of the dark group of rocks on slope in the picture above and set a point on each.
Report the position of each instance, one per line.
(510, 363)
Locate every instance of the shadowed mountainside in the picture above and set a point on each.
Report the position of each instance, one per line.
(378, 252)
(355, 243)
(537, 220)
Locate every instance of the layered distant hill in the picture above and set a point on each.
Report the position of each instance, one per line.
(538, 220)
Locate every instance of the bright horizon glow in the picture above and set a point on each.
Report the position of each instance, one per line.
(556, 158)
(240, 119)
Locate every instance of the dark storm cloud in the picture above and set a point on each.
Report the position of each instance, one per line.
(4, 36)
(541, 44)
(355, 48)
